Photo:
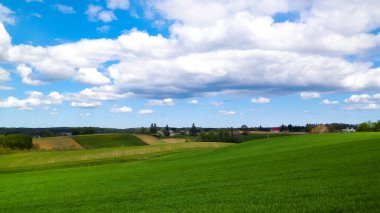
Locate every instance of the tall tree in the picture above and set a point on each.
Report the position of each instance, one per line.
(193, 130)
(167, 131)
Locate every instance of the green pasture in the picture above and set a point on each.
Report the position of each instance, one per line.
(304, 173)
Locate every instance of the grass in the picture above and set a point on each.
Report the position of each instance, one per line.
(29, 161)
(250, 137)
(306, 173)
(107, 140)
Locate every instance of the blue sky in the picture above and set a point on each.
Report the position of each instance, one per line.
(120, 63)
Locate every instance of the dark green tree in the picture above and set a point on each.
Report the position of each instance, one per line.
(193, 130)
(244, 129)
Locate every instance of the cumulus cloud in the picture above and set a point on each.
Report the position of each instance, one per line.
(225, 112)
(64, 9)
(328, 102)
(238, 47)
(85, 104)
(363, 98)
(34, 99)
(91, 76)
(25, 72)
(122, 109)
(362, 102)
(4, 75)
(309, 95)
(118, 4)
(260, 100)
(163, 102)
(145, 111)
(6, 15)
(194, 101)
(100, 93)
(97, 13)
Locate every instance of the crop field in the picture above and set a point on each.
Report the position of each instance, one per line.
(306, 173)
(148, 139)
(56, 143)
(108, 140)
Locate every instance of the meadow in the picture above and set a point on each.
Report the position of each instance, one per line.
(337, 172)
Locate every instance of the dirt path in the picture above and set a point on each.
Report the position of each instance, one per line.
(148, 139)
(57, 143)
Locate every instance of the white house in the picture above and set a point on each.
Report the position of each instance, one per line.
(349, 130)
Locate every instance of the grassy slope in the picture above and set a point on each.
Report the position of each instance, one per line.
(108, 140)
(33, 161)
(332, 172)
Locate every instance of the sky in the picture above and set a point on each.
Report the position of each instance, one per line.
(216, 63)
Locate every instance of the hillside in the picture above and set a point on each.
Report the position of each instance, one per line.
(328, 172)
(108, 140)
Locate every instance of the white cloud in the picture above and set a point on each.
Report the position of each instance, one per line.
(86, 104)
(260, 100)
(93, 11)
(34, 1)
(216, 103)
(362, 106)
(103, 29)
(328, 102)
(107, 16)
(363, 98)
(64, 9)
(122, 109)
(309, 95)
(25, 72)
(2, 87)
(4, 75)
(34, 99)
(362, 102)
(86, 114)
(96, 13)
(6, 15)
(163, 102)
(91, 76)
(238, 48)
(225, 112)
(145, 111)
(118, 4)
(194, 101)
(101, 93)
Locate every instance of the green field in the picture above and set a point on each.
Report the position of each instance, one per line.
(250, 137)
(107, 140)
(305, 173)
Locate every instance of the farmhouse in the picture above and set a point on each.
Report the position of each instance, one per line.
(275, 129)
(349, 130)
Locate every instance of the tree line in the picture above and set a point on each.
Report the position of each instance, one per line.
(16, 141)
(369, 126)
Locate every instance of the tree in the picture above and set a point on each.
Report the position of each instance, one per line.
(193, 130)
(290, 128)
(365, 127)
(167, 131)
(153, 129)
(244, 129)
